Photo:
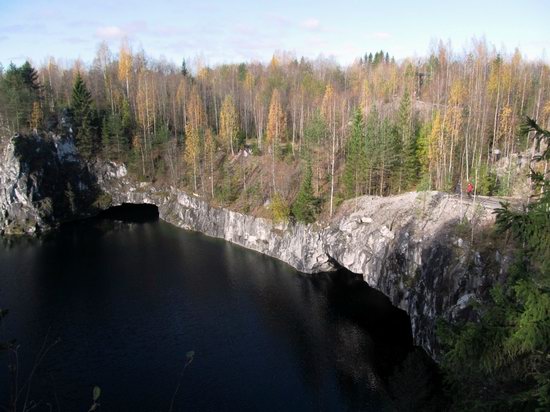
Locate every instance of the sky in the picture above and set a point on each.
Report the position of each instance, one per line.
(235, 31)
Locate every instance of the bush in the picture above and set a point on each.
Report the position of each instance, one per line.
(488, 183)
(230, 188)
(280, 211)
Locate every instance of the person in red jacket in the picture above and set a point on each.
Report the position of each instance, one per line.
(470, 189)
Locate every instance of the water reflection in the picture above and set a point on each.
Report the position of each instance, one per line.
(128, 300)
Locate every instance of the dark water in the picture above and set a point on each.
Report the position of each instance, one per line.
(126, 301)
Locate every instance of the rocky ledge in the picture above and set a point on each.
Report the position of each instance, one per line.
(413, 247)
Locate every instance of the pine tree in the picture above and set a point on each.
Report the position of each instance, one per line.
(408, 162)
(314, 134)
(356, 162)
(422, 154)
(30, 78)
(372, 147)
(328, 110)
(126, 119)
(112, 133)
(19, 90)
(81, 105)
(183, 70)
(502, 361)
(304, 207)
(411, 164)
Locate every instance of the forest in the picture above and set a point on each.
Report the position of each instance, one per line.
(293, 137)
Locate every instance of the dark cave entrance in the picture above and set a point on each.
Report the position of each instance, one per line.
(131, 212)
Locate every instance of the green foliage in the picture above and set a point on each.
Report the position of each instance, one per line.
(409, 164)
(19, 89)
(114, 141)
(314, 131)
(230, 188)
(280, 211)
(355, 170)
(81, 105)
(183, 70)
(126, 117)
(304, 207)
(422, 148)
(96, 393)
(284, 152)
(502, 361)
(487, 181)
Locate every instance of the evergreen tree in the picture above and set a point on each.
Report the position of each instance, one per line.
(422, 154)
(81, 105)
(356, 162)
(184, 71)
(502, 361)
(408, 167)
(126, 120)
(411, 164)
(372, 147)
(19, 90)
(304, 207)
(30, 78)
(112, 132)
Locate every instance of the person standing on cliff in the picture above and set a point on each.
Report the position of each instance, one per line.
(470, 189)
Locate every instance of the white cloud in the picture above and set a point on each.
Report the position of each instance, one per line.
(311, 24)
(120, 32)
(110, 33)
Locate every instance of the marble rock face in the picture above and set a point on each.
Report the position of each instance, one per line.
(406, 246)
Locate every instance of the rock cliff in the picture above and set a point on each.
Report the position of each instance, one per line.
(408, 246)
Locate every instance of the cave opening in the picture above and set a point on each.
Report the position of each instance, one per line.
(131, 212)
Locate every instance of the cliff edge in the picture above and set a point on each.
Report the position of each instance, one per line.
(415, 247)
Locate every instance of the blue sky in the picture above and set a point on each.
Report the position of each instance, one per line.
(229, 31)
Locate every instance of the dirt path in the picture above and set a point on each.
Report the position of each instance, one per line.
(488, 202)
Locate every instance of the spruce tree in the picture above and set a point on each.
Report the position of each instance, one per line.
(408, 167)
(356, 163)
(19, 91)
(81, 105)
(30, 78)
(501, 361)
(304, 207)
(373, 148)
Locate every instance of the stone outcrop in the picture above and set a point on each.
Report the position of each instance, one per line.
(408, 246)
(43, 182)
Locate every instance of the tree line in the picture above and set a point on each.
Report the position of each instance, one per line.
(376, 127)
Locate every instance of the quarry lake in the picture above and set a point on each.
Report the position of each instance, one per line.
(120, 303)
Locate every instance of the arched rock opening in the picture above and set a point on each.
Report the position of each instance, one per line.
(131, 212)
